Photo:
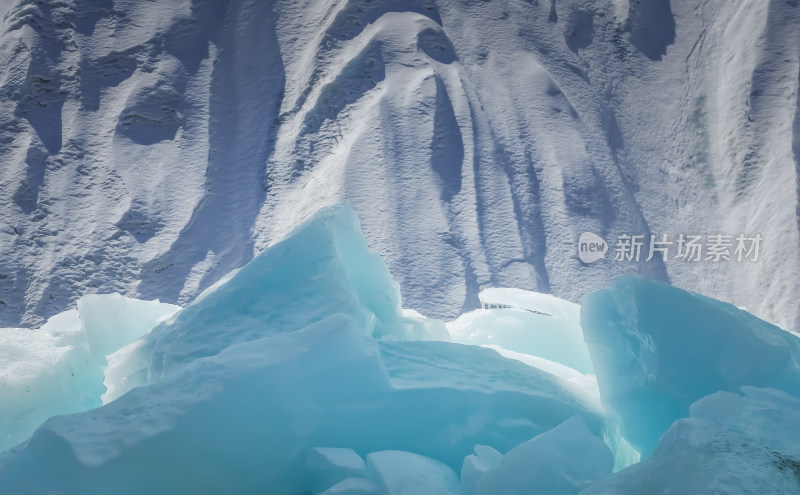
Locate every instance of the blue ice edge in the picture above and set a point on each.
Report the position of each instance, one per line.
(299, 374)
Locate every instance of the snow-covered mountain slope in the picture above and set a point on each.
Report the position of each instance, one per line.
(149, 148)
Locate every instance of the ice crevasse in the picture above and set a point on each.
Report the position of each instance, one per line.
(302, 373)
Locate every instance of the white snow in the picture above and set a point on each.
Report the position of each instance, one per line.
(149, 151)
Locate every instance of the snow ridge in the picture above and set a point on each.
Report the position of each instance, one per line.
(150, 150)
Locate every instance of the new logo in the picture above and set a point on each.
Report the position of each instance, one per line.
(591, 247)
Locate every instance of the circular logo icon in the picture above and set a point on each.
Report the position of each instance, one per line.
(591, 247)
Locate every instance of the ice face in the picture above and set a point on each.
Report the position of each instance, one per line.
(526, 322)
(327, 467)
(60, 367)
(37, 373)
(300, 373)
(537, 329)
(476, 466)
(769, 416)
(657, 349)
(734, 443)
(280, 291)
(263, 403)
(561, 461)
(405, 473)
(249, 388)
(111, 321)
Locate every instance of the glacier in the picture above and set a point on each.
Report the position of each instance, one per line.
(149, 149)
(656, 351)
(733, 443)
(302, 373)
(281, 358)
(61, 367)
(529, 323)
(547, 463)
